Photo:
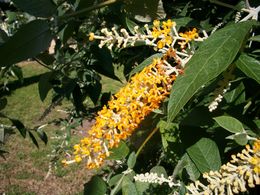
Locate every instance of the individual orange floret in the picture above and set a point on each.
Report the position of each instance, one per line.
(188, 36)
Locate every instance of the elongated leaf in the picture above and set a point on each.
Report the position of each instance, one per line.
(131, 25)
(186, 163)
(160, 170)
(20, 126)
(115, 179)
(205, 155)
(145, 11)
(141, 187)
(43, 136)
(33, 139)
(96, 186)
(229, 123)
(237, 95)
(241, 139)
(104, 64)
(255, 38)
(128, 187)
(131, 160)
(18, 72)
(30, 40)
(3, 37)
(250, 66)
(44, 85)
(3, 103)
(46, 58)
(84, 4)
(183, 21)
(213, 57)
(120, 152)
(145, 63)
(118, 185)
(40, 8)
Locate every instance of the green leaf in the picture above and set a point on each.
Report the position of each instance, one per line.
(115, 179)
(11, 16)
(130, 25)
(43, 136)
(250, 66)
(212, 58)
(96, 186)
(241, 139)
(44, 85)
(39, 8)
(128, 187)
(205, 155)
(185, 10)
(18, 72)
(3, 37)
(160, 170)
(20, 126)
(30, 40)
(78, 99)
(237, 95)
(191, 168)
(197, 117)
(95, 91)
(120, 152)
(84, 4)
(255, 38)
(184, 22)
(141, 187)
(145, 11)
(145, 63)
(118, 185)
(168, 132)
(131, 160)
(46, 58)
(67, 32)
(33, 139)
(3, 103)
(104, 64)
(230, 123)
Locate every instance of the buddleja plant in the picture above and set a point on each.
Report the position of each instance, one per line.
(192, 64)
(189, 112)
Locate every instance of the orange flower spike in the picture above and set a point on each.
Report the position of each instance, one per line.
(125, 112)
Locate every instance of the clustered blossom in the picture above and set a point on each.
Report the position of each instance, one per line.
(162, 36)
(143, 94)
(236, 176)
(118, 120)
(155, 178)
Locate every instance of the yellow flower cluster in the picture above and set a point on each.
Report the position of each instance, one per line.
(164, 33)
(124, 112)
(189, 36)
(241, 172)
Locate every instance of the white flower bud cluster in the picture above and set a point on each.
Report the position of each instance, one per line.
(214, 104)
(160, 39)
(234, 177)
(121, 39)
(154, 178)
(237, 17)
(217, 27)
(224, 86)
